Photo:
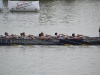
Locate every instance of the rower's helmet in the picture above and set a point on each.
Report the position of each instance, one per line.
(6, 33)
(55, 33)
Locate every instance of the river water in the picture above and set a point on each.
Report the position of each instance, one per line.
(65, 16)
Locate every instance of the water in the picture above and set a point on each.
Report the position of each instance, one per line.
(67, 16)
(49, 60)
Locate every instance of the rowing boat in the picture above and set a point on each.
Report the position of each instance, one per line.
(53, 41)
(85, 40)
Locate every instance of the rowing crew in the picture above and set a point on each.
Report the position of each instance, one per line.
(42, 36)
(22, 35)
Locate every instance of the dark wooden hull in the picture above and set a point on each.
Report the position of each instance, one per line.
(87, 41)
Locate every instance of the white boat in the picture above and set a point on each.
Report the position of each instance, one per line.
(1, 5)
(23, 5)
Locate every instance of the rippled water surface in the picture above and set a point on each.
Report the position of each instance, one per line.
(65, 16)
(49, 60)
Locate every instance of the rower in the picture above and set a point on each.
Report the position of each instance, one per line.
(61, 36)
(23, 35)
(44, 37)
(77, 37)
(10, 36)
